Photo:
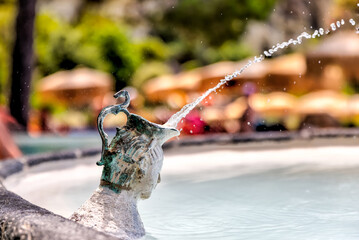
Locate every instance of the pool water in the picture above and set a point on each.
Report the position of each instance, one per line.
(50, 143)
(222, 192)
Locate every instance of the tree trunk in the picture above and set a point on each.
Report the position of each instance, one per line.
(22, 63)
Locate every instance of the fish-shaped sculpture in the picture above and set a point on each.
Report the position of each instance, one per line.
(131, 170)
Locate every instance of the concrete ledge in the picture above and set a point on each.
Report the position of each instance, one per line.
(223, 139)
(13, 166)
(9, 167)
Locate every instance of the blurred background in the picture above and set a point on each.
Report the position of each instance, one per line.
(61, 61)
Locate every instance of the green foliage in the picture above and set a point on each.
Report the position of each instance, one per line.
(56, 44)
(4, 72)
(191, 34)
(348, 89)
(149, 70)
(348, 4)
(212, 21)
(96, 42)
(153, 48)
(117, 54)
(7, 15)
(207, 31)
(229, 51)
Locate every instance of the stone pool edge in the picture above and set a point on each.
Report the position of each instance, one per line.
(12, 166)
(19, 219)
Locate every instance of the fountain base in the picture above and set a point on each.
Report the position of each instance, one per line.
(113, 213)
(20, 219)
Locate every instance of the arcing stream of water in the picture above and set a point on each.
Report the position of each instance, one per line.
(176, 118)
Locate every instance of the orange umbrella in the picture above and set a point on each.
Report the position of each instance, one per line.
(326, 101)
(212, 114)
(75, 87)
(235, 109)
(158, 89)
(340, 44)
(200, 79)
(212, 74)
(353, 105)
(340, 48)
(288, 65)
(275, 102)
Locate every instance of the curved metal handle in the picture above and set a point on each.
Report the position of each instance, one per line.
(114, 109)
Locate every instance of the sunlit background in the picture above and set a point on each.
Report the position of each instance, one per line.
(166, 54)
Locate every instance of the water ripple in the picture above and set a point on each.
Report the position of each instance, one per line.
(272, 205)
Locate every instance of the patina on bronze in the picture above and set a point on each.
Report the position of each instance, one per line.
(131, 170)
(136, 149)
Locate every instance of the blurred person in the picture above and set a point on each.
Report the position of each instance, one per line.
(192, 124)
(248, 118)
(319, 120)
(44, 117)
(274, 127)
(8, 148)
(232, 126)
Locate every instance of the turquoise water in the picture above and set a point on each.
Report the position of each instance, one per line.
(275, 204)
(226, 192)
(51, 143)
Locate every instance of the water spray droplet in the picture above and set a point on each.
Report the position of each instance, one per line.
(315, 34)
(333, 26)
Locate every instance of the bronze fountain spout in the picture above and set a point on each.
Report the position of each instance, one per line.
(131, 170)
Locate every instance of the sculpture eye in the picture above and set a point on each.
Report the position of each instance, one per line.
(159, 178)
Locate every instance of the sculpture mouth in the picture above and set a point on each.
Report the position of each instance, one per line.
(160, 132)
(169, 133)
